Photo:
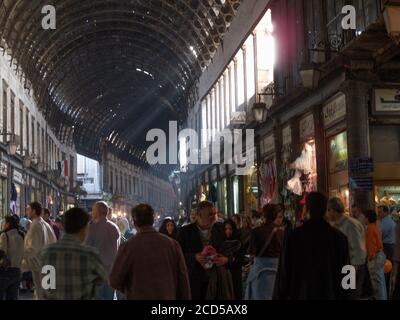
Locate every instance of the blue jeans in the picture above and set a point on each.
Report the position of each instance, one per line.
(105, 292)
(261, 279)
(9, 284)
(377, 274)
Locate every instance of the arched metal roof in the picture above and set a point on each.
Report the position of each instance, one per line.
(113, 69)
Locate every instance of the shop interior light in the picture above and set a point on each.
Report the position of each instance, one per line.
(391, 15)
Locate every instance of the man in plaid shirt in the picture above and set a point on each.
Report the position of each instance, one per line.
(78, 267)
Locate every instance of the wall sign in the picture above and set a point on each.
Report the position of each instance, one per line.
(334, 110)
(362, 183)
(361, 165)
(18, 177)
(307, 127)
(3, 169)
(287, 135)
(387, 101)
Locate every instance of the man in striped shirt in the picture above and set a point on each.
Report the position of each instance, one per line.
(78, 267)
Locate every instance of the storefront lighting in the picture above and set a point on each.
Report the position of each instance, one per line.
(260, 112)
(310, 76)
(391, 15)
(12, 148)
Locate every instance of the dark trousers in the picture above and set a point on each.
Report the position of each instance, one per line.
(360, 278)
(388, 249)
(9, 284)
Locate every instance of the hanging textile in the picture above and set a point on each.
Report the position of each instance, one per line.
(268, 181)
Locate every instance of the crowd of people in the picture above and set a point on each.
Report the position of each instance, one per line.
(209, 258)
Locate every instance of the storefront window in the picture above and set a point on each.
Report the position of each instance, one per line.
(389, 195)
(235, 188)
(3, 199)
(15, 205)
(222, 197)
(338, 153)
(251, 191)
(338, 164)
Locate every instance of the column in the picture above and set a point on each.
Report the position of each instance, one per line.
(357, 96)
(320, 148)
(278, 157)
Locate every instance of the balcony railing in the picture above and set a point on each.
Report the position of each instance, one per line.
(334, 37)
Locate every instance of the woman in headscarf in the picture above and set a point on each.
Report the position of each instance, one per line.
(236, 260)
(169, 228)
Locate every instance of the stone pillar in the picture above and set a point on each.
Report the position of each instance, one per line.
(297, 146)
(278, 159)
(358, 145)
(320, 150)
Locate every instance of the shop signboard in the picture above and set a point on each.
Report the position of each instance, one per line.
(335, 110)
(365, 183)
(286, 135)
(18, 177)
(361, 165)
(386, 101)
(307, 127)
(3, 169)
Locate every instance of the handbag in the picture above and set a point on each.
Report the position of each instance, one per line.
(5, 261)
(267, 243)
(249, 260)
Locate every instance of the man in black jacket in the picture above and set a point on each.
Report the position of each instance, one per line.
(315, 253)
(193, 238)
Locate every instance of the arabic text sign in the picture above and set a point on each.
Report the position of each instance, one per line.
(387, 100)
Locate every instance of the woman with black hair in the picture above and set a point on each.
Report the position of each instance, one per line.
(11, 251)
(236, 260)
(169, 228)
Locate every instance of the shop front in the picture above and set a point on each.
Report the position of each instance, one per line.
(284, 174)
(71, 202)
(17, 196)
(213, 188)
(235, 192)
(3, 190)
(334, 115)
(385, 146)
(304, 168)
(268, 179)
(222, 191)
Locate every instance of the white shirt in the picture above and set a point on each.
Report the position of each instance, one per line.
(355, 233)
(13, 245)
(40, 234)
